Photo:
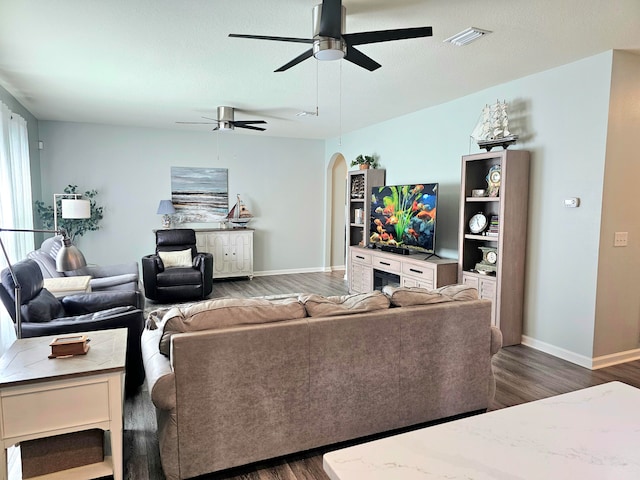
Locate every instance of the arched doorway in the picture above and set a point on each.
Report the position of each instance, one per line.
(335, 252)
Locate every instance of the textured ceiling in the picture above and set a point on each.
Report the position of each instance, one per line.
(155, 62)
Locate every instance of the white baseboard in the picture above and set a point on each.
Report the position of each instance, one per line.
(292, 271)
(594, 363)
(616, 358)
(567, 355)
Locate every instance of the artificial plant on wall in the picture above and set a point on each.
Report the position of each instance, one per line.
(75, 227)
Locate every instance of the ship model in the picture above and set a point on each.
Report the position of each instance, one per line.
(239, 216)
(492, 129)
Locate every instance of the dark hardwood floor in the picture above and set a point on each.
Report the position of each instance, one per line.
(522, 375)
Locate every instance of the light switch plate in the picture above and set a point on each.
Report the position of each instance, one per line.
(621, 239)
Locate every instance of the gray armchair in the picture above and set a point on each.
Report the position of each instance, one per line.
(123, 276)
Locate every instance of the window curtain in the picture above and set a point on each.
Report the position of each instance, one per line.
(16, 206)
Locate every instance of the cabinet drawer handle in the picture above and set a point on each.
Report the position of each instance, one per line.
(385, 263)
(358, 256)
(415, 271)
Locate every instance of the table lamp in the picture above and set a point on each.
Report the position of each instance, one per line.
(68, 258)
(166, 209)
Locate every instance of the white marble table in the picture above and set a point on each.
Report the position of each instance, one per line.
(590, 434)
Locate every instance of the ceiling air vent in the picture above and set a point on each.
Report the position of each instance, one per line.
(466, 36)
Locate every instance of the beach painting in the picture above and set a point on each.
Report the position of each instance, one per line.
(200, 195)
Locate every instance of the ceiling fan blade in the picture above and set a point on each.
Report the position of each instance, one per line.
(360, 59)
(209, 118)
(331, 19)
(198, 123)
(239, 123)
(387, 35)
(249, 127)
(278, 39)
(297, 60)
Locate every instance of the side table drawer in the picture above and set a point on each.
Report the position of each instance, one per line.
(27, 410)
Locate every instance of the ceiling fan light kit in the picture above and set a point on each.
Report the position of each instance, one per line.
(327, 48)
(466, 36)
(329, 41)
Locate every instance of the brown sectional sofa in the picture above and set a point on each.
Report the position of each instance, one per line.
(231, 395)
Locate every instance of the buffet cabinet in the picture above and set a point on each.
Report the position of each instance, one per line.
(371, 269)
(232, 251)
(493, 234)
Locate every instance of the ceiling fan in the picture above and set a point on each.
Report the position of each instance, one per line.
(330, 43)
(226, 122)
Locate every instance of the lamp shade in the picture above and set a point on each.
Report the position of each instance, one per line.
(165, 208)
(69, 257)
(76, 208)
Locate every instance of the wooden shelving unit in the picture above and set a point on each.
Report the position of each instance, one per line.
(505, 286)
(359, 183)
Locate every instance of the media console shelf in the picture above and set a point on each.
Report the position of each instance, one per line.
(370, 269)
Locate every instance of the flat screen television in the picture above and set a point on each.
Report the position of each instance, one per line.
(404, 216)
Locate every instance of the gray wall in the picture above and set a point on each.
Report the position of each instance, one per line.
(565, 128)
(280, 180)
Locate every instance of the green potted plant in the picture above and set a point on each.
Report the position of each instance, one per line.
(365, 161)
(76, 227)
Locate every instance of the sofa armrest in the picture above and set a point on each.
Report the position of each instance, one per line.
(91, 302)
(161, 381)
(204, 260)
(101, 283)
(100, 271)
(496, 340)
(79, 323)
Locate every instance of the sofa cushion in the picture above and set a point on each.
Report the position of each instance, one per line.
(458, 291)
(227, 312)
(319, 306)
(180, 258)
(44, 307)
(407, 296)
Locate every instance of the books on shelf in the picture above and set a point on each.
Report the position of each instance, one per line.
(494, 227)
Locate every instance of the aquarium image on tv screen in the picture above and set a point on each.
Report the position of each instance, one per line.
(404, 216)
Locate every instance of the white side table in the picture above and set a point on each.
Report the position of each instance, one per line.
(42, 397)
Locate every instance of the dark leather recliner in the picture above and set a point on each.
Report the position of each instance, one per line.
(43, 314)
(176, 283)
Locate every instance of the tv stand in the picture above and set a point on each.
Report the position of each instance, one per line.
(432, 255)
(413, 270)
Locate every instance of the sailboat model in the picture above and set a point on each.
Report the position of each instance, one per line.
(239, 215)
(492, 129)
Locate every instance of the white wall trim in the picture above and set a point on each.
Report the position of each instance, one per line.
(292, 271)
(586, 362)
(615, 358)
(567, 355)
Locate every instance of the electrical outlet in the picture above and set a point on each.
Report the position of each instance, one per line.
(621, 239)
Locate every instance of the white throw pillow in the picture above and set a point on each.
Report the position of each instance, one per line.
(181, 258)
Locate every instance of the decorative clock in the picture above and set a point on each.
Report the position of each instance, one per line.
(493, 178)
(478, 223)
(489, 263)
